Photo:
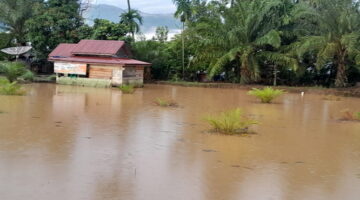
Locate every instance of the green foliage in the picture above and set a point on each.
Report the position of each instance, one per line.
(133, 20)
(266, 95)
(165, 103)
(13, 16)
(8, 88)
(231, 122)
(13, 70)
(54, 22)
(104, 30)
(127, 89)
(87, 82)
(28, 76)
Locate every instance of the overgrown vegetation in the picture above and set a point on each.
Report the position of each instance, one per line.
(231, 122)
(266, 95)
(348, 115)
(8, 88)
(14, 70)
(127, 89)
(165, 102)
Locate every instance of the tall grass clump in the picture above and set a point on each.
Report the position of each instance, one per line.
(7, 88)
(13, 70)
(165, 103)
(127, 89)
(266, 95)
(231, 122)
(348, 115)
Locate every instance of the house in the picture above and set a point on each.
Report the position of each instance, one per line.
(105, 60)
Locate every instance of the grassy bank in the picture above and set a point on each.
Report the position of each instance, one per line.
(347, 92)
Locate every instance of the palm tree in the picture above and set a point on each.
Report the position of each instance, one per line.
(247, 35)
(133, 20)
(183, 12)
(337, 38)
(13, 15)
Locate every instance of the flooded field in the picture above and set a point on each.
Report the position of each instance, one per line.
(74, 143)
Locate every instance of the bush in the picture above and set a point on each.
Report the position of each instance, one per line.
(127, 89)
(12, 70)
(28, 76)
(266, 95)
(231, 122)
(165, 103)
(7, 88)
(348, 115)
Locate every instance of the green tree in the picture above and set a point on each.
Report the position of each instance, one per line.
(246, 36)
(54, 22)
(183, 12)
(161, 34)
(336, 40)
(13, 17)
(133, 20)
(106, 30)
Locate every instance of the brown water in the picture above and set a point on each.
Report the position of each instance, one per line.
(74, 143)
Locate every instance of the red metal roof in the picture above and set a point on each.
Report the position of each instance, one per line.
(98, 47)
(109, 48)
(100, 60)
(63, 50)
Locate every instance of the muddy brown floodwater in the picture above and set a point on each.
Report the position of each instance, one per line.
(75, 143)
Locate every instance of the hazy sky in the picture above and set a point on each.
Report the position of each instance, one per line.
(148, 6)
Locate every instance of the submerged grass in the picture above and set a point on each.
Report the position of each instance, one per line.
(266, 95)
(7, 88)
(348, 115)
(165, 103)
(127, 89)
(231, 122)
(331, 98)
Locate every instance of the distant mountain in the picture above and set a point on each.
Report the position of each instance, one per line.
(150, 21)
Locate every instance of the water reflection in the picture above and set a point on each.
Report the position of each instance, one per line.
(63, 142)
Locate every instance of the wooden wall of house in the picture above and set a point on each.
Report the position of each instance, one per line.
(100, 72)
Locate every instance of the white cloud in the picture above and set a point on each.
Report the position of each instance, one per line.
(148, 6)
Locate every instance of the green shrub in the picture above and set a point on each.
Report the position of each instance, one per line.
(127, 89)
(28, 76)
(12, 70)
(266, 95)
(7, 88)
(357, 115)
(165, 103)
(231, 122)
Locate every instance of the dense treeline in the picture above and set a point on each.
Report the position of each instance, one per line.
(263, 41)
(289, 42)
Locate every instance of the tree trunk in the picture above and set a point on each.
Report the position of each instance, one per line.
(183, 51)
(129, 8)
(341, 77)
(275, 75)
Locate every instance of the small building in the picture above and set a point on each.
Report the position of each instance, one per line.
(105, 60)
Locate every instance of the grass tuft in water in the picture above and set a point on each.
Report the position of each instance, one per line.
(165, 103)
(266, 95)
(331, 98)
(231, 122)
(348, 115)
(7, 88)
(127, 89)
